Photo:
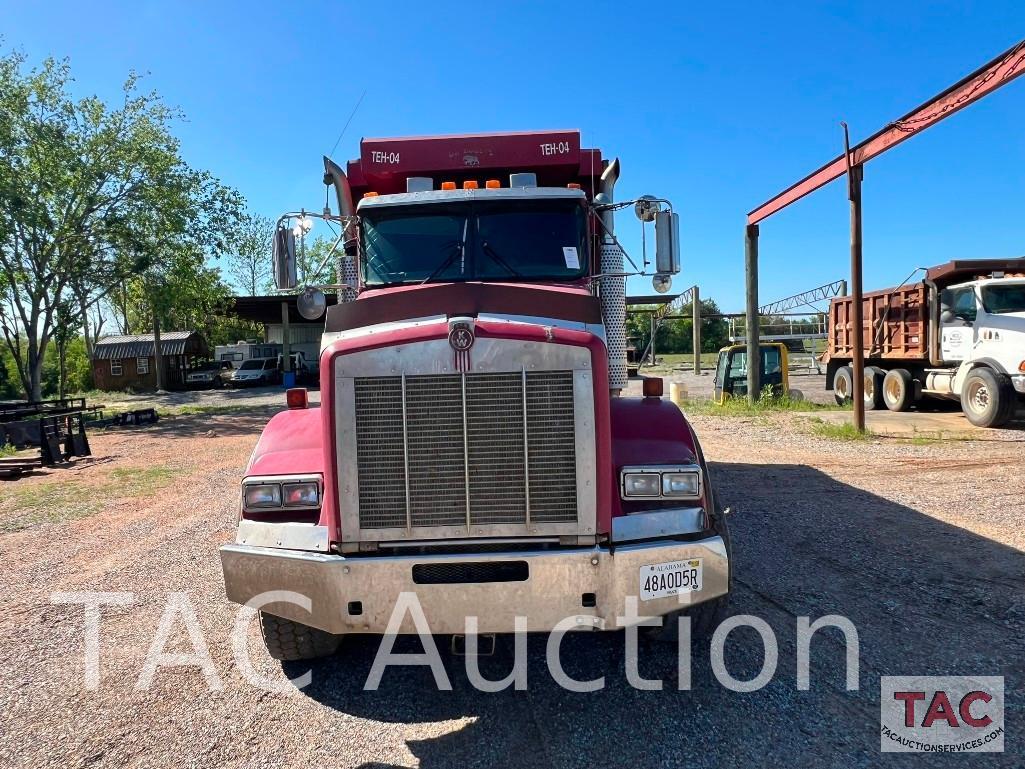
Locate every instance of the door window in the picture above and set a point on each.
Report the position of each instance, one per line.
(964, 304)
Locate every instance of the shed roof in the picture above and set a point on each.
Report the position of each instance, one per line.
(141, 345)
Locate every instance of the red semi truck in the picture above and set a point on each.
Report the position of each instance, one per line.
(474, 445)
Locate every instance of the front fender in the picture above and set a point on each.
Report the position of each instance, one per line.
(652, 431)
(290, 443)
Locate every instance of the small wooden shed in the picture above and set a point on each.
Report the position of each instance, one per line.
(120, 362)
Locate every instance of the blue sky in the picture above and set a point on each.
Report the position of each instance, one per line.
(716, 106)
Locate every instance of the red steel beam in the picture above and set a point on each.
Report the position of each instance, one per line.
(1000, 71)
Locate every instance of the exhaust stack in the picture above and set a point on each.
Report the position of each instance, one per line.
(345, 265)
(612, 290)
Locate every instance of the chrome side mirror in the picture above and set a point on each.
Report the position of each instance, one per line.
(667, 243)
(284, 259)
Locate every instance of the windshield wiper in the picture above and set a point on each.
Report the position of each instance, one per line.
(458, 249)
(487, 249)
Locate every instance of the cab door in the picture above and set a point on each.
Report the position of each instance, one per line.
(719, 391)
(773, 372)
(957, 332)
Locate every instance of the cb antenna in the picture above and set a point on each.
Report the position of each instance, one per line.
(351, 115)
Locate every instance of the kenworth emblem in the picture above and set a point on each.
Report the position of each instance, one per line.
(460, 337)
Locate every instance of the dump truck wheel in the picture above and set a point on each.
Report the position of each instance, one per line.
(843, 385)
(290, 641)
(987, 398)
(874, 388)
(898, 389)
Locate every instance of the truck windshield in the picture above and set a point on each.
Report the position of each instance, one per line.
(1004, 299)
(490, 241)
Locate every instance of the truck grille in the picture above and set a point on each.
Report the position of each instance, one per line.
(465, 449)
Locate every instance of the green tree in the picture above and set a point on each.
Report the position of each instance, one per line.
(675, 334)
(93, 196)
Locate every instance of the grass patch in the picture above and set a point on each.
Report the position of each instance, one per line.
(682, 360)
(7, 450)
(142, 481)
(842, 431)
(66, 500)
(741, 407)
(50, 502)
(214, 410)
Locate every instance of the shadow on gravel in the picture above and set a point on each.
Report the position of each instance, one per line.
(926, 597)
(225, 423)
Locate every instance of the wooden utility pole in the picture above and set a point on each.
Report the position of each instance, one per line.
(158, 357)
(286, 334)
(854, 176)
(754, 379)
(696, 320)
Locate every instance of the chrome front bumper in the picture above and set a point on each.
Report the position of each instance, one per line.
(554, 590)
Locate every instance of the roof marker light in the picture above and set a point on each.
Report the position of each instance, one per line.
(493, 184)
(370, 194)
(573, 186)
(448, 185)
(470, 184)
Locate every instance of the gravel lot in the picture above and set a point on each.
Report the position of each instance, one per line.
(921, 546)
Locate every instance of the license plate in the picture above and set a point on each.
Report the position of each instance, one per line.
(660, 580)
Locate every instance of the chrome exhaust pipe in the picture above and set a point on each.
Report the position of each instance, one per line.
(612, 290)
(345, 264)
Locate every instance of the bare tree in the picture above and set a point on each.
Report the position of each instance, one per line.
(249, 265)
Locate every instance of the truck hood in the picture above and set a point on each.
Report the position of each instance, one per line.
(374, 307)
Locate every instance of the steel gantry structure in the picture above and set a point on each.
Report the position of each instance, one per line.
(988, 78)
(806, 298)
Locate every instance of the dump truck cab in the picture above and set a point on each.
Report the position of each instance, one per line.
(474, 445)
(731, 371)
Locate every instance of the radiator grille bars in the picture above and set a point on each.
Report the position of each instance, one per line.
(465, 449)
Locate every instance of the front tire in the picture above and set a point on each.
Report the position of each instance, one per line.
(987, 398)
(291, 641)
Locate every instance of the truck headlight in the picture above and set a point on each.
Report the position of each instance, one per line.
(262, 495)
(640, 484)
(269, 493)
(306, 494)
(658, 482)
(685, 484)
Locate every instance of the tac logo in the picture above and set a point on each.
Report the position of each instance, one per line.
(949, 714)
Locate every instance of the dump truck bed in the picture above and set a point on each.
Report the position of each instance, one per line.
(896, 324)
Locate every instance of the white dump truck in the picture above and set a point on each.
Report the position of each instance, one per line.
(957, 334)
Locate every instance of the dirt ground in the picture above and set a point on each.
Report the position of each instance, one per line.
(919, 544)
